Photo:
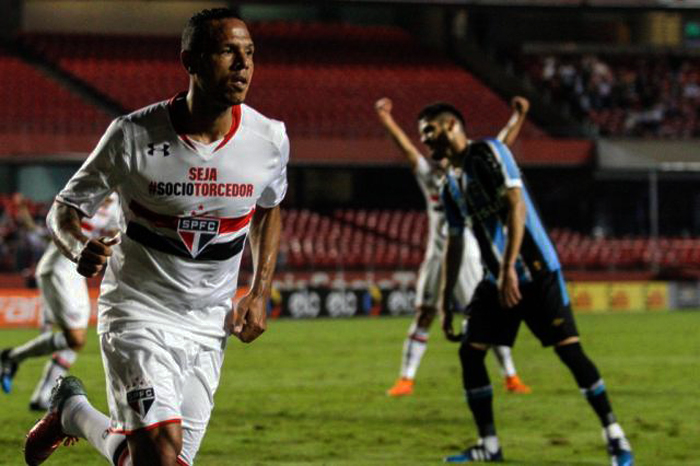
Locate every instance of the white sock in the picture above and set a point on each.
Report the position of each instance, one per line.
(413, 350)
(490, 442)
(42, 391)
(44, 344)
(505, 359)
(80, 419)
(614, 430)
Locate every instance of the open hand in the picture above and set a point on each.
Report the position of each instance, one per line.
(508, 288)
(447, 328)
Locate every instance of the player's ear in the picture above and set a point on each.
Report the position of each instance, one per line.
(189, 61)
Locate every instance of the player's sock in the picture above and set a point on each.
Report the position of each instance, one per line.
(46, 343)
(413, 350)
(588, 379)
(505, 360)
(80, 419)
(57, 366)
(479, 393)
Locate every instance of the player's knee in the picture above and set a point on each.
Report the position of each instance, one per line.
(470, 354)
(76, 339)
(425, 316)
(157, 447)
(473, 366)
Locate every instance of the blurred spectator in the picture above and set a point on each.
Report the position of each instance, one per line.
(22, 234)
(625, 95)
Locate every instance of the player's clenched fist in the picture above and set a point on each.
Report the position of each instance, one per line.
(383, 106)
(249, 319)
(520, 104)
(94, 256)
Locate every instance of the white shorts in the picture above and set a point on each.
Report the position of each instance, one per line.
(64, 293)
(155, 377)
(429, 282)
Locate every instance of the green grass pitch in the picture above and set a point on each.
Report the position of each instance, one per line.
(312, 392)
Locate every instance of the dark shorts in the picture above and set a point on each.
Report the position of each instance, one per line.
(544, 307)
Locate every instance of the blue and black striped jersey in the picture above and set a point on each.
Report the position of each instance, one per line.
(475, 196)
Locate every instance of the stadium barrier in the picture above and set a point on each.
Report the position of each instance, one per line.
(20, 307)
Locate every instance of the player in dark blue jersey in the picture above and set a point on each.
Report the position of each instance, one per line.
(523, 280)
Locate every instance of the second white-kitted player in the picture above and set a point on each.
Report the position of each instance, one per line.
(65, 303)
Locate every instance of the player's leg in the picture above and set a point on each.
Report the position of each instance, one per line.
(198, 393)
(470, 275)
(157, 446)
(56, 367)
(512, 381)
(416, 342)
(65, 301)
(71, 416)
(488, 325)
(552, 321)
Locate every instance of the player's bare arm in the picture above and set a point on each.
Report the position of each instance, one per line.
(383, 108)
(511, 130)
(508, 287)
(90, 255)
(453, 264)
(249, 318)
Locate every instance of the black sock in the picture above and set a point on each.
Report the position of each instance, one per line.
(477, 388)
(588, 379)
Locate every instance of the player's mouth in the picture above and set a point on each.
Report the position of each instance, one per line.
(239, 83)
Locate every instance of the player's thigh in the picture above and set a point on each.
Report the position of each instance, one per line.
(547, 309)
(64, 298)
(489, 323)
(470, 275)
(143, 369)
(428, 282)
(160, 445)
(198, 401)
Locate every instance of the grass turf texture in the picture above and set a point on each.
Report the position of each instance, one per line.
(313, 392)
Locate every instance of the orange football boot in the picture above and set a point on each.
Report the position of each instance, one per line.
(515, 385)
(402, 387)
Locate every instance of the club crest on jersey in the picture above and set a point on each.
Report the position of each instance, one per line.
(197, 232)
(141, 400)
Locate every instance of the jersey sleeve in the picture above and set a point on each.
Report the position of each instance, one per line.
(423, 172)
(511, 172)
(274, 193)
(101, 173)
(455, 219)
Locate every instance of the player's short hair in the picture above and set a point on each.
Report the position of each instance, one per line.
(438, 109)
(196, 31)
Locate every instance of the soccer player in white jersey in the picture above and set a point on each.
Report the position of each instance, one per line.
(430, 177)
(195, 175)
(65, 303)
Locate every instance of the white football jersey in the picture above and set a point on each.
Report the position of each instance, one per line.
(431, 178)
(106, 221)
(187, 208)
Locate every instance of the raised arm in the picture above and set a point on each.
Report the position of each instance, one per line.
(511, 130)
(249, 319)
(508, 287)
(90, 255)
(403, 142)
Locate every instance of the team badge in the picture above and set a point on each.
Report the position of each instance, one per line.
(197, 232)
(141, 400)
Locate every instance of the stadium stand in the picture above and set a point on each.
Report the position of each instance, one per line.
(624, 94)
(382, 239)
(319, 78)
(35, 106)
